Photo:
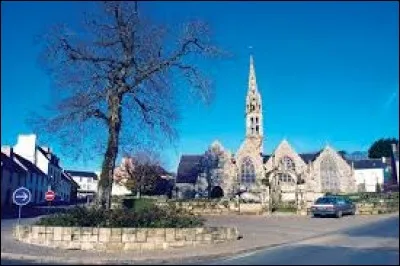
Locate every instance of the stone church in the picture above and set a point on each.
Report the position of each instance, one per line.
(222, 173)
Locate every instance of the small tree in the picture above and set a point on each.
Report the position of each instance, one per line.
(139, 173)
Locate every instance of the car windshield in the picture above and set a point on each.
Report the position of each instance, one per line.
(326, 201)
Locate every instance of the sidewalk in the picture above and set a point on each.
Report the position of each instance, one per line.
(258, 232)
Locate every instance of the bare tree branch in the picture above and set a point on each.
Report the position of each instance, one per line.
(116, 82)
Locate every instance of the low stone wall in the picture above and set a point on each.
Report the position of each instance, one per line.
(205, 207)
(218, 208)
(116, 239)
(251, 208)
(376, 208)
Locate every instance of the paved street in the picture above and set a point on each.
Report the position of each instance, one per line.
(372, 244)
(351, 237)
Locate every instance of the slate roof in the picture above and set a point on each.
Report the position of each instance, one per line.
(304, 156)
(50, 156)
(82, 174)
(70, 179)
(266, 157)
(369, 164)
(31, 167)
(188, 169)
(6, 162)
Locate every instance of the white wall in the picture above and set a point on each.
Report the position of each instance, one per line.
(86, 183)
(42, 162)
(26, 147)
(119, 190)
(370, 177)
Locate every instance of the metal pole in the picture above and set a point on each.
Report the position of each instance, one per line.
(238, 178)
(19, 218)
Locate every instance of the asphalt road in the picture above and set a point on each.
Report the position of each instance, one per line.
(373, 244)
(350, 240)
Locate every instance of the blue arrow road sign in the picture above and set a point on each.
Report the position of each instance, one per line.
(22, 196)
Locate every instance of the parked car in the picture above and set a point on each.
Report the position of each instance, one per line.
(333, 206)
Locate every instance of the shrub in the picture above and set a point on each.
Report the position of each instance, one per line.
(149, 216)
(137, 204)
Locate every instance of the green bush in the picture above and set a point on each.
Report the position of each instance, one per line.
(148, 216)
(371, 197)
(137, 204)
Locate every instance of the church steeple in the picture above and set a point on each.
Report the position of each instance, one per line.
(252, 77)
(254, 126)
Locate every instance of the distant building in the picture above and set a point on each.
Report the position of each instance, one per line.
(43, 158)
(357, 155)
(368, 174)
(18, 171)
(87, 181)
(220, 172)
(42, 166)
(13, 176)
(74, 187)
(119, 190)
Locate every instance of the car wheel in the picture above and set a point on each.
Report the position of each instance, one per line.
(339, 214)
(315, 216)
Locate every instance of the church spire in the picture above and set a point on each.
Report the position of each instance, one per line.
(254, 127)
(252, 77)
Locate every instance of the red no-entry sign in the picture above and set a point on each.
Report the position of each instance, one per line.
(50, 195)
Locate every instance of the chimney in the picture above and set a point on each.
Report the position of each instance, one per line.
(26, 146)
(394, 149)
(8, 150)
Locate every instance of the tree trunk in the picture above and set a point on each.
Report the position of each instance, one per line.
(107, 171)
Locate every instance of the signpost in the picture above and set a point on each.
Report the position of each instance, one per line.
(49, 196)
(21, 197)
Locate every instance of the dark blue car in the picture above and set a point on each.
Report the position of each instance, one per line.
(333, 206)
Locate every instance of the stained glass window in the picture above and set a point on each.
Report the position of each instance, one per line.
(287, 167)
(248, 175)
(329, 175)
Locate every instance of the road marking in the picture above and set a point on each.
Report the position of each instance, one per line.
(242, 255)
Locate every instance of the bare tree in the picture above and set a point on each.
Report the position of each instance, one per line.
(119, 77)
(139, 172)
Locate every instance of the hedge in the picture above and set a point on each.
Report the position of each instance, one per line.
(148, 216)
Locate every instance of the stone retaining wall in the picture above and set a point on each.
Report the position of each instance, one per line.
(218, 208)
(376, 208)
(116, 239)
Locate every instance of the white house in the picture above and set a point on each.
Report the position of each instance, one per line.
(44, 162)
(87, 181)
(18, 171)
(12, 177)
(119, 190)
(368, 173)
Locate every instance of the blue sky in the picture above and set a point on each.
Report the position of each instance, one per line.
(327, 72)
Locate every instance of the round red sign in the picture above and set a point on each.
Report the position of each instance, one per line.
(50, 195)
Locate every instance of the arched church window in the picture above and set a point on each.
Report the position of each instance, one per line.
(248, 175)
(329, 175)
(287, 164)
(287, 168)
